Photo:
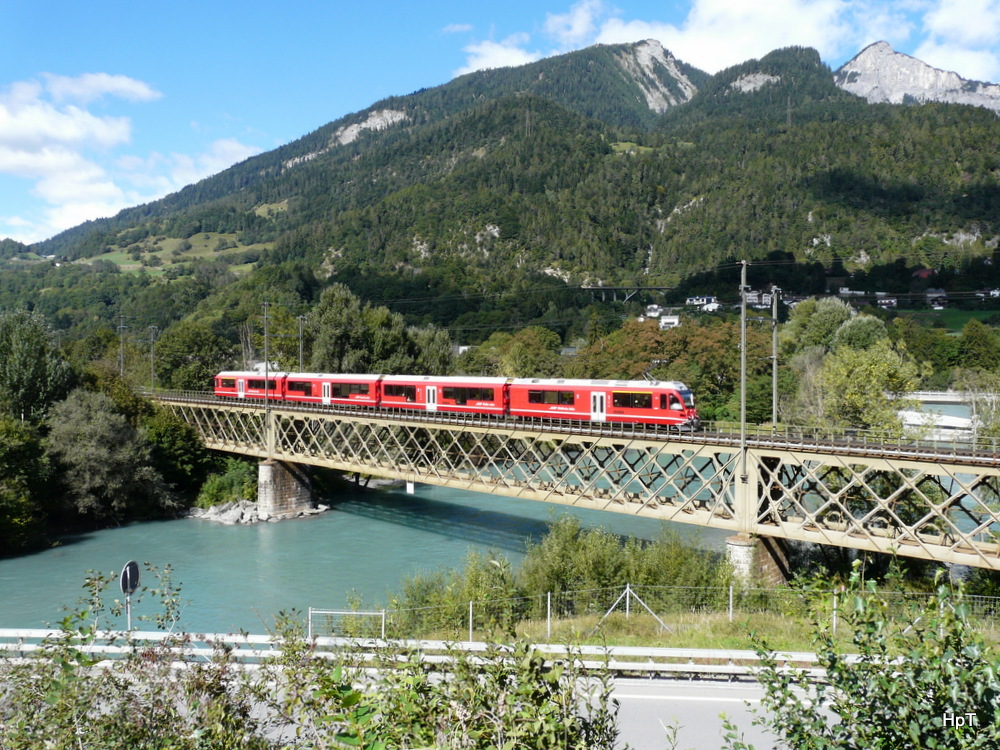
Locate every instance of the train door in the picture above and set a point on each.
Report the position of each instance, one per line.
(241, 386)
(432, 398)
(598, 406)
(326, 393)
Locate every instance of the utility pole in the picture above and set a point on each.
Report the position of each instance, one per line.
(743, 371)
(267, 376)
(775, 293)
(152, 368)
(302, 320)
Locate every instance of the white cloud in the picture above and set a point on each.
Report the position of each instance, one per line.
(976, 65)
(490, 54)
(962, 36)
(69, 154)
(958, 35)
(457, 28)
(221, 154)
(718, 33)
(91, 86)
(578, 25)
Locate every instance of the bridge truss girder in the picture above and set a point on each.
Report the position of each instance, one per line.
(936, 510)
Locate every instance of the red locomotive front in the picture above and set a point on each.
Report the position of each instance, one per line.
(633, 401)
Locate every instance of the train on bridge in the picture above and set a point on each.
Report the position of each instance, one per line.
(668, 404)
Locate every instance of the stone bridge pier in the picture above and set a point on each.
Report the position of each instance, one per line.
(283, 488)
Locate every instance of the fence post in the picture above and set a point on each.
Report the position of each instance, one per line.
(310, 623)
(628, 596)
(730, 602)
(835, 613)
(470, 621)
(383, 624)
(548, 616)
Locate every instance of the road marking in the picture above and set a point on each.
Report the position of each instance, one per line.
(621, 696)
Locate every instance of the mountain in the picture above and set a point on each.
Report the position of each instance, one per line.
(476, 201)
(880, 74)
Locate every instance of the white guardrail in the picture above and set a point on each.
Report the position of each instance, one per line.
(110, 646)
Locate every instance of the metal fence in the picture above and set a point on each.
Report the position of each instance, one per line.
(588, 611)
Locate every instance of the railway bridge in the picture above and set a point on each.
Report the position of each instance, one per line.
(923, 499)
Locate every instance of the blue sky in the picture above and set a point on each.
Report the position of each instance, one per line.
(105, 105)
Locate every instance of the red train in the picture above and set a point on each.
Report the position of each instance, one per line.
(667, 403)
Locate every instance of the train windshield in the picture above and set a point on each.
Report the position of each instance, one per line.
(688, 398)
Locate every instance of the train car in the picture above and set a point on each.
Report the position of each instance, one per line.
(666, 403)
(250, 384)
(472, 395)
(342, 390)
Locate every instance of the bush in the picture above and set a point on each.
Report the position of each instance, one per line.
(238, 482)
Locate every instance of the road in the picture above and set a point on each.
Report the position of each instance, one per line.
(694, 707)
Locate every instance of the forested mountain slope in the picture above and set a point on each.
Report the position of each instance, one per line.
(610, 165)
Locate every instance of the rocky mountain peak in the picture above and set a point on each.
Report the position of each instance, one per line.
(657, 73)
(880, 74)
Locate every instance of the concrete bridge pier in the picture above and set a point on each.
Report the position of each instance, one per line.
(758, 558)
(283, 488)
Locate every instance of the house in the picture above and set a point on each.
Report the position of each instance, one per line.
(700, 301)
(669, 321)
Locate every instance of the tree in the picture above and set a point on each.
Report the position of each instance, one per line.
(932, 684)
(105, 464)
(189, 355)
(23, 470)
(532, 353)
(864, 387)
(813, 323)
(351, 337)
(32, 372)
(859, 332)
(177, 451)
(979, 348)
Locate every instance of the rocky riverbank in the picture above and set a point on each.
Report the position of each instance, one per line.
(247, 512)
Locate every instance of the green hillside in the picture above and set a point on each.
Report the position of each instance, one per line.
(552, 176)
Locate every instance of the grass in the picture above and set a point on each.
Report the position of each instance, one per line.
(171, 251)
(952, 319)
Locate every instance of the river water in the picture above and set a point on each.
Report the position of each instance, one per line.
(240, 577)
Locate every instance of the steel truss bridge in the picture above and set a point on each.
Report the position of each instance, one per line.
(927, 500)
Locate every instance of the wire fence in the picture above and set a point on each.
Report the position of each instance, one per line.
(649, 608)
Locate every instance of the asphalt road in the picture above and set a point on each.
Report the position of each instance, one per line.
(694, 707)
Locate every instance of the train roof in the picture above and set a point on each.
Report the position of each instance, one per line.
(347, 376)
(445, 379)
(579, 383)
(251, 374)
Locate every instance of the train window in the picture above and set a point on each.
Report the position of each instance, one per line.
(564, 398)
(675, 403)
(409, 392)
(627, 400)
(259, 385)
(299, 386)
(346, 390)
(663, 400)
(462, 395)
(227, 382)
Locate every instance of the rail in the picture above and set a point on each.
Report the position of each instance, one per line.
(183, 649)
(847, 442)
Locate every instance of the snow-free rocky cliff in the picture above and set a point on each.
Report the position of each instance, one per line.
(656, 72)
(880, 74)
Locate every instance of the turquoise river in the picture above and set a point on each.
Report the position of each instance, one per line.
(240, 577)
